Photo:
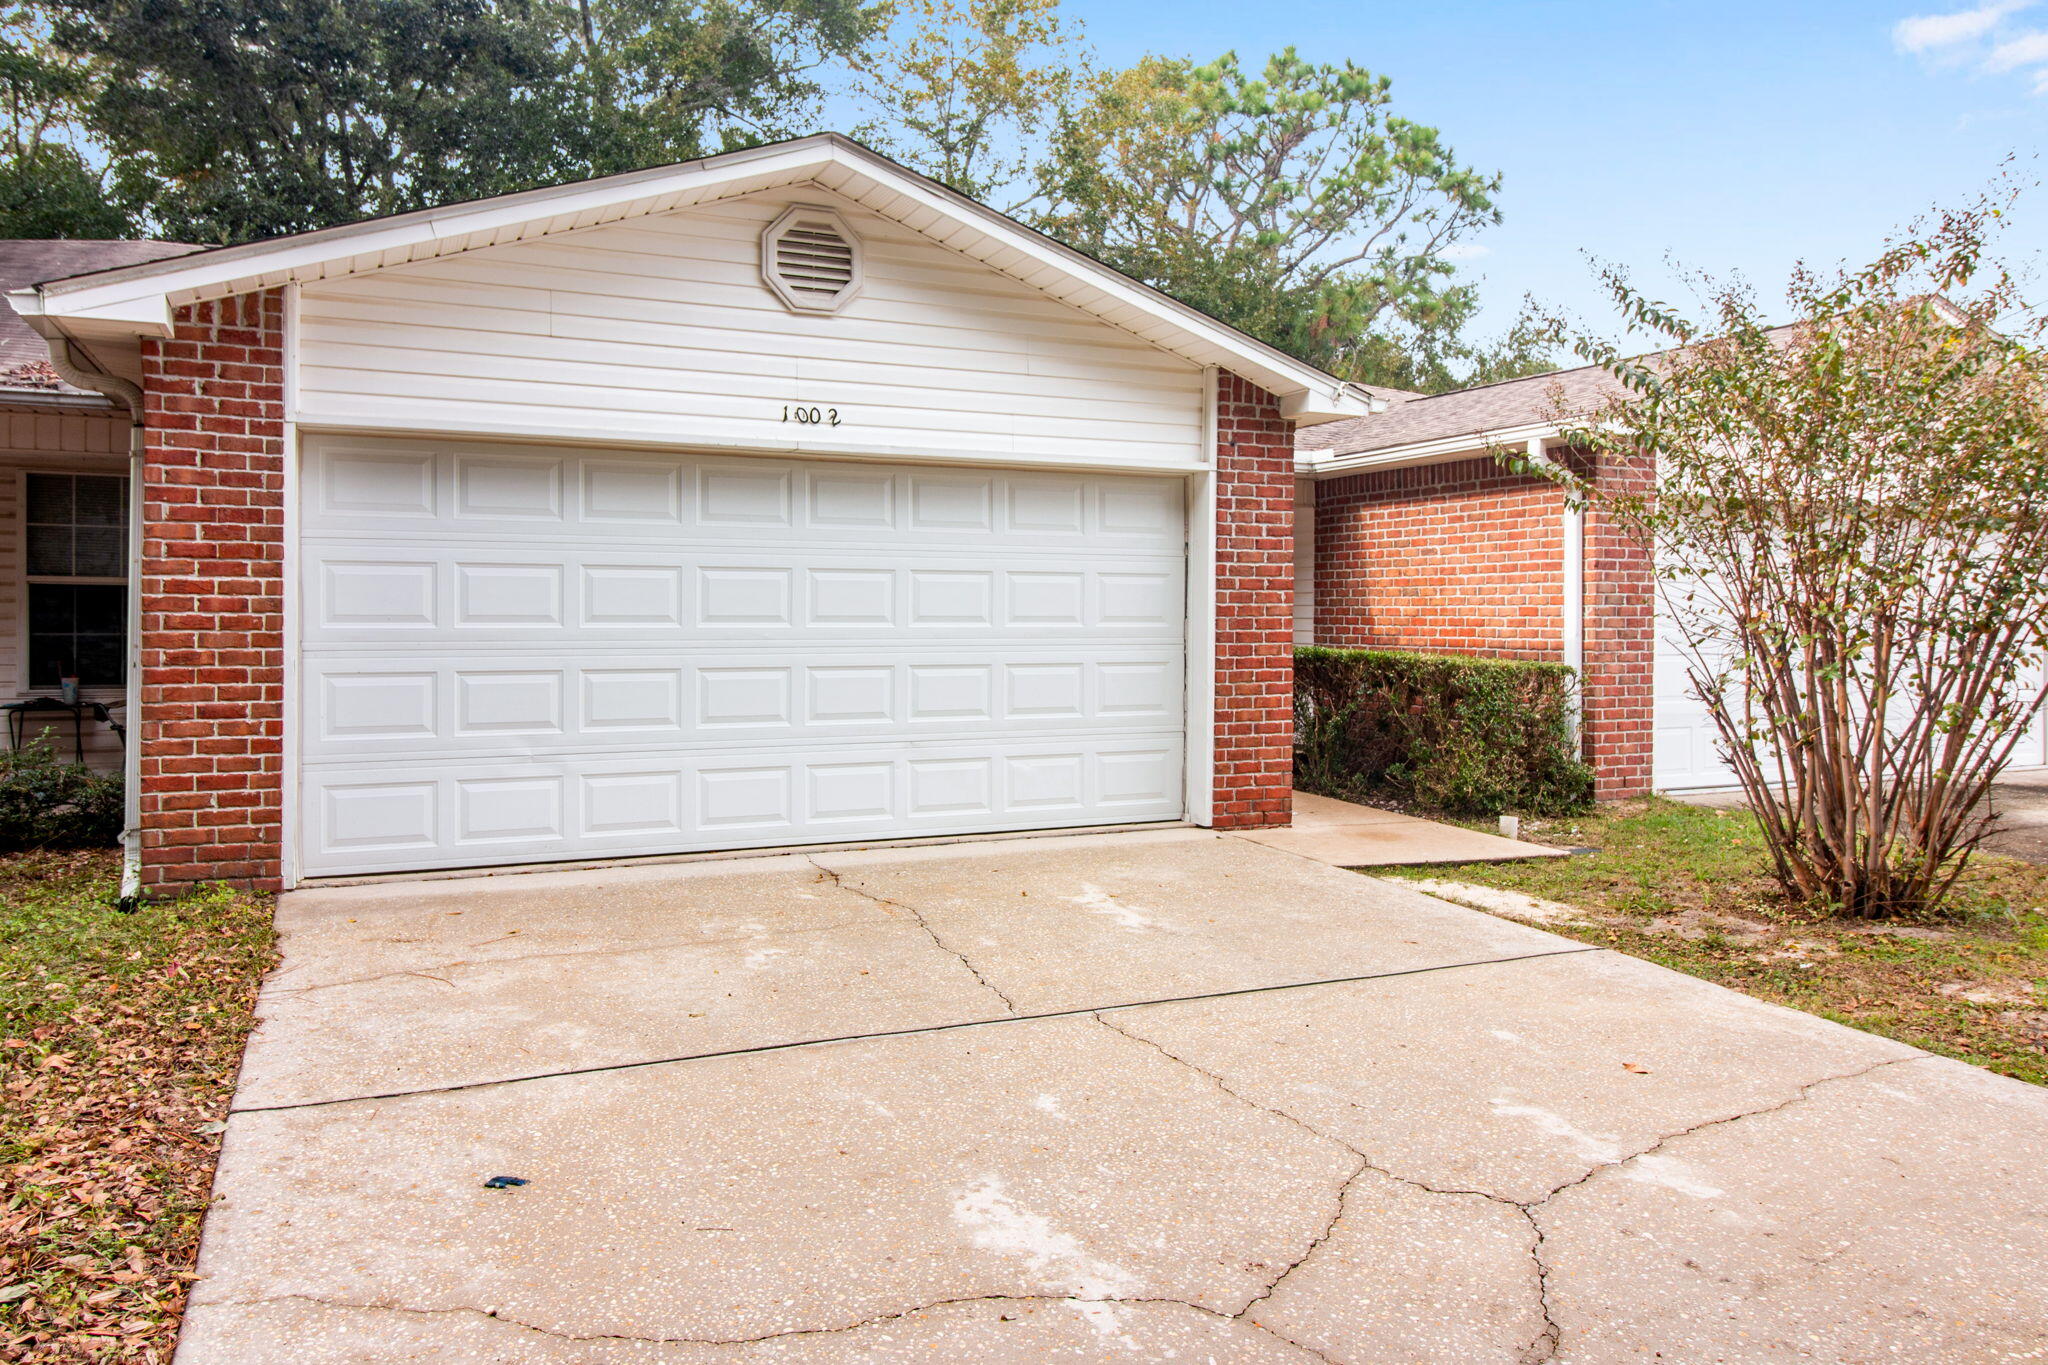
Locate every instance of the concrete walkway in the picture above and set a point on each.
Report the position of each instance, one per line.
(1171, 1096)
(1346, 834)
(2021, 800)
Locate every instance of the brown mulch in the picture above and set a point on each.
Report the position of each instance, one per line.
(122, 1033)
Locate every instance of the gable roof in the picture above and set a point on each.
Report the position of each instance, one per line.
(24, 359)
(137, 300)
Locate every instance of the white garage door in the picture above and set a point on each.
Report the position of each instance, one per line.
(1686, 749)
(518, 654)
(1688, 756)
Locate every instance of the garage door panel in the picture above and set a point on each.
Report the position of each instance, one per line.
(368, 592)
(510, 704)
(516, 654)
(477, 812)
(364, 485)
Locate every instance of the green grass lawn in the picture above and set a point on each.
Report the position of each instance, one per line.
(121, 1035)
(1690, 888)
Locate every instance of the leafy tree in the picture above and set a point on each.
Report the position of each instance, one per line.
(967, 87)
(47, 186)
(1440, 357)
(655, 81)
(245, 118)
(1850, 515)
(1290, 202)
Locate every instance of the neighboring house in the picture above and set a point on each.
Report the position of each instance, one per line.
(781, 497)
(64, 455)
(1410, 534)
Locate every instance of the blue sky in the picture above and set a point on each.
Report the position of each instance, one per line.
(1732, 135)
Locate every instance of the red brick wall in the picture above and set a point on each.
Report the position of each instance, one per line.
(210, 734)
(1254, 758)
(1468, 558)
(1462, 558)
(1621, 641)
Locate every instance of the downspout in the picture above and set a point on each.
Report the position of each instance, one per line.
(74, 369)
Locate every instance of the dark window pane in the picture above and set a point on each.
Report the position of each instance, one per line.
(48, 657)
(52, 609)
(97, 551)
(49, 498)
(102, 611)
(49, 550)
(97, 500)
(99, 660)
(77, 630)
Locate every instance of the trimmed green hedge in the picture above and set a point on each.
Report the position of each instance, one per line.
(1462, 735)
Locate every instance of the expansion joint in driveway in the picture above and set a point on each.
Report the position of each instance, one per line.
(989, 1022)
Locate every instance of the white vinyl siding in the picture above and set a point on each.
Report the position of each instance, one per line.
(516, 653)
(661, 331)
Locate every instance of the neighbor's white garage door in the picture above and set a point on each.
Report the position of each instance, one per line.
(516, 654)
(1688, 755)
(1687, 752)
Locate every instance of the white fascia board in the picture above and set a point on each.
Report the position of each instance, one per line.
(139, 300)
(358, 247)
(1323, 465)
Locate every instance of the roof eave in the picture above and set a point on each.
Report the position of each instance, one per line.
(139, 300)
(1444, 450)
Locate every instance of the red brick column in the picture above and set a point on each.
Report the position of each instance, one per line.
(210, 734)
(1254, 758)
(1619, 691)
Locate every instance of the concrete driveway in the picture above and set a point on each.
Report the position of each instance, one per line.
(1149, 1097)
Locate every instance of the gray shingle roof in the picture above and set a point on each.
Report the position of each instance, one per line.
(24, 360)
(1462, 412)
(1483, 408)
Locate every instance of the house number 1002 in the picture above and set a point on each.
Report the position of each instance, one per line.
(810, 417)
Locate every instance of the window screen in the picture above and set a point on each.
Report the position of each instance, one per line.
(77, 526)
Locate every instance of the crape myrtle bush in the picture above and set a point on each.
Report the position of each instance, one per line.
(1467, 736)
(47, 803)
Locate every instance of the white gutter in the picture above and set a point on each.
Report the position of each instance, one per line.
(1323, 464)
(51, 400)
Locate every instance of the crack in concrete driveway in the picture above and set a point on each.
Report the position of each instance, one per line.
(1428, 1150)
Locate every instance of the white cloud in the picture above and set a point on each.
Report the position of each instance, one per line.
(1925, 32)
(2027, 49)
(1465, 251)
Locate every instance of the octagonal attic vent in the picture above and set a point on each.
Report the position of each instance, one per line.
(811, 259)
